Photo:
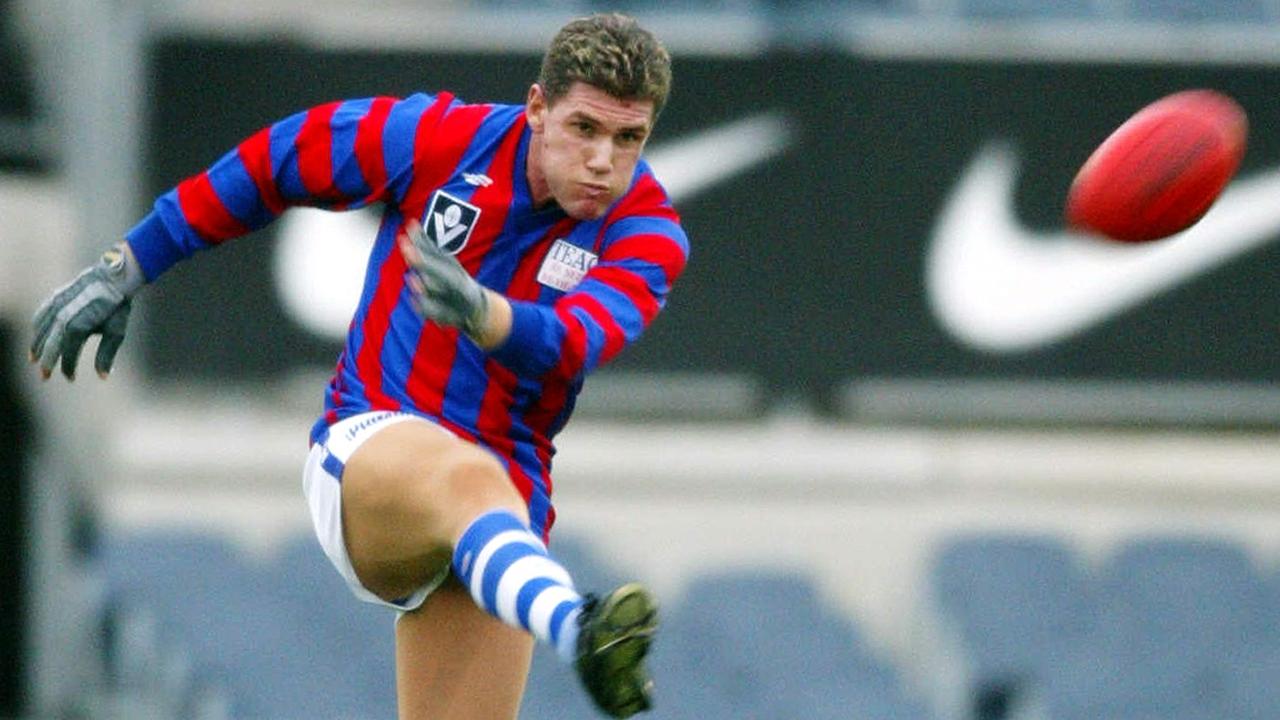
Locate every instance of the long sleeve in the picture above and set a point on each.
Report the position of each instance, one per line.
(340, 155)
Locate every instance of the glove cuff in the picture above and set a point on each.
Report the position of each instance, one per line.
(478, 320)
(122, 269)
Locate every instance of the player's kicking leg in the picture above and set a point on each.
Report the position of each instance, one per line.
(511, 575)
(417, 502)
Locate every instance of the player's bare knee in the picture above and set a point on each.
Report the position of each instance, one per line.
(475, 482)
(474, 468)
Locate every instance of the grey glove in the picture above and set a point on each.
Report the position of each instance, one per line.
(443, 291)
(97, 301)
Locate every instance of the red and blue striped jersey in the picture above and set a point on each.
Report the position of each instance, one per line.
(580, 290)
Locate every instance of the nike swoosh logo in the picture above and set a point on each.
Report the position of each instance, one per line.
(320, 256)
(999, 287)
(694, 164)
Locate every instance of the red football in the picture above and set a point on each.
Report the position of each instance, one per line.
(1160, 171)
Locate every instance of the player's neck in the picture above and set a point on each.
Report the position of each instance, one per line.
(539, 190)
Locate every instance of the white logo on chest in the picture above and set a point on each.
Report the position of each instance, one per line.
(565, 265)
(449, 221)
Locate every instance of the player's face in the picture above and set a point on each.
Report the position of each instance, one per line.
(585, 147)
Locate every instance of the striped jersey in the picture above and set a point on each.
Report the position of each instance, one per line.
(580, 291)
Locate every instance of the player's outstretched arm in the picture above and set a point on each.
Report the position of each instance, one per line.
(96, 302)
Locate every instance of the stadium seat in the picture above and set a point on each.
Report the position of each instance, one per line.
(1002, 603)
(1273, 602)
(809, 8)
(1114, 676)
(204, 594)
(1176, 614)
(649, 7)
(1235, 11)
(1203, 593)
(352, 642)
(1027, 9)
(267, 632)
(159, 563)
(1253, 681)
(282, 638)
(762, 644)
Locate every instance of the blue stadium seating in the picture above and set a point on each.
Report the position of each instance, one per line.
(1203, 593)
(285, 637)
(353, 642)
(808, 8)
(1172, 628)
(165, 562)
(1175, 615)
(763, 645)
(1252, 681)
(1012, 599)
(820, 12)
(1028, 9)
(272, 635)
(1113, 675)
(1161, 631)
(1240, 11)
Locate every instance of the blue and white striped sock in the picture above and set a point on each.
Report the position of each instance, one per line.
(512, 577)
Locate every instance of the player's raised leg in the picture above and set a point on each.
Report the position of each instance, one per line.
(510, 574)
(408, 492)
(417, 501)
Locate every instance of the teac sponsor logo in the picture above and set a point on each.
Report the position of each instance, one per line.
(565, 265)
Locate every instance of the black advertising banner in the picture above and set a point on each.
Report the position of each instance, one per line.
(860, 221)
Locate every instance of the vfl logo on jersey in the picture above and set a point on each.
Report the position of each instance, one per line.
(449, 222)
(565, 265)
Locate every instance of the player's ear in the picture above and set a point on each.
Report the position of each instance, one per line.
(535, 108)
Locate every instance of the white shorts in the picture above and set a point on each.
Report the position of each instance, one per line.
(322, 485)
